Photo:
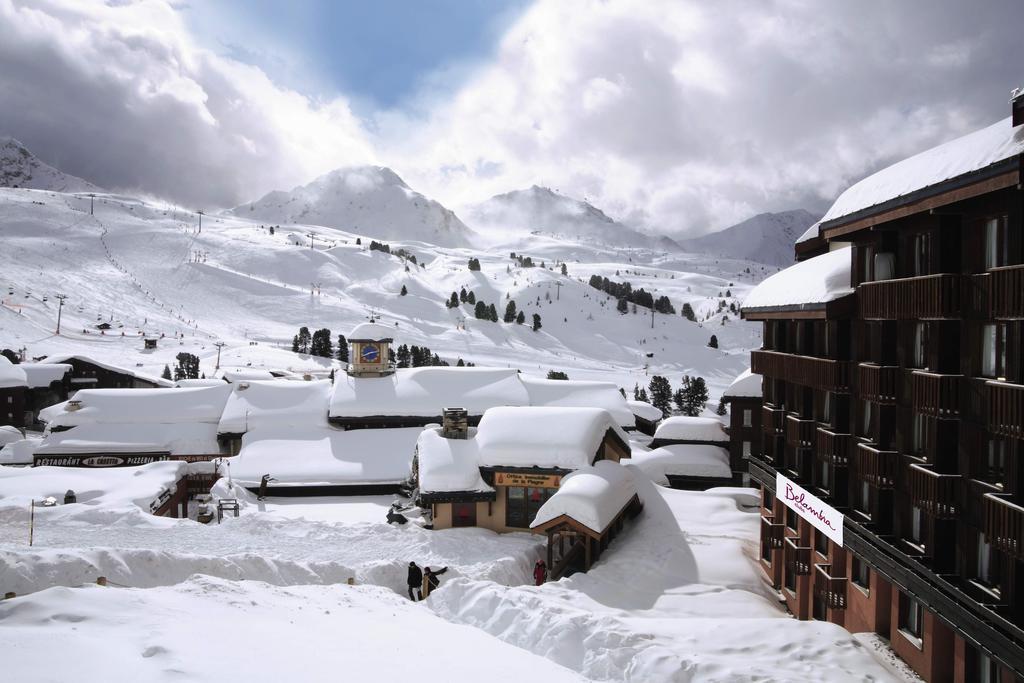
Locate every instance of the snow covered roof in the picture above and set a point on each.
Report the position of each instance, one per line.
(236, 375)
(323, 456)
(592, 496)
(424, 392)
(371, 332)
(192, 383)
(577, 393)
(645, 410)
(964, 155)
(746, 385)
(174, 439)
(42, 375)
(258, 405)
(67, 357)
(11, 375)
(809, 234)
(554, 437)
(19, 452)
(140, 406)
(9, 434)
(685, 428)
(684, 460)
(449, 465)
(809, 283)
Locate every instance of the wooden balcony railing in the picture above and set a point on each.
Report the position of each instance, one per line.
(876, 467)
(771, 451)
(878, 383)
(798, 558)
(910, 298)
(799, 433)
(1004, 524)
(834, 448)
(935, 493)
(934, 394)
(1006, 292)
(771, 533)
(1006, 409)
(830, 589)
(772, 420)
(817, 373)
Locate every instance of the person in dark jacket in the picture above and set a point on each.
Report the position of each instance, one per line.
(540, 572)
(430, 580)
(415, 582)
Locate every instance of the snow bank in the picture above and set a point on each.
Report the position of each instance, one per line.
(683, 460)
(593, 496)
(235, 375)
(447, 465)
(373, 332)
(19, 452)
(9, 434)
(567, 438)
(971, 152)
(42, 375)
(172, 439)
(11, 375)
(192, 383)
(424, 392)
(579, 394)
(318, 456)
(817, 280)
(275, 404)
(686, 428)
(645, 410)
(746, 385)
(139, 406)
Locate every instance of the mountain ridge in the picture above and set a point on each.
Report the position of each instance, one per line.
(19, 168)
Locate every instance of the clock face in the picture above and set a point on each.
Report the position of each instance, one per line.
(369, 353)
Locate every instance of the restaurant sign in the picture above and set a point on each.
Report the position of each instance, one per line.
(540, 481)
(96, 460)
(822, 516)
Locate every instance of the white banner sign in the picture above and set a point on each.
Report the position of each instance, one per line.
(822, 516)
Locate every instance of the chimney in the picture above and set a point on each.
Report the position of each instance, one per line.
(1017, 104)
(455, 423)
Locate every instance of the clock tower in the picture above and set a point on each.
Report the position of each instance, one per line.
(369, 350)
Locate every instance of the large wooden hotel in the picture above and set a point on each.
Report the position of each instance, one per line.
(892, 453)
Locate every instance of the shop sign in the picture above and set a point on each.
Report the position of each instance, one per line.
(822, 516)
(95, 460)
(540, 481)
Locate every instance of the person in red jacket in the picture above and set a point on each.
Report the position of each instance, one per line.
(540, 572)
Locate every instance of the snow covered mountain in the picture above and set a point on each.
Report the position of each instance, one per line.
(368, 200)
(765, 238)
(20, 168)
(542, 210)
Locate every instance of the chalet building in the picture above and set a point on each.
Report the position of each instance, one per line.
(893, 411)
(647, 416)
(743, 397)
(13, 388)
(500, 474)
(48, 385)
(689, 453)
(87, 373)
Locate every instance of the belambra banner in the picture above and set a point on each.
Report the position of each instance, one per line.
(822, 516)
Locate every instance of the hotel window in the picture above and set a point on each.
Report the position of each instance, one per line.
(920, 346)
(523, 503)
(986, 563)
(746, 449)
(996, 244)
(993, 350)
(861, 574)
(748, 418)
(984, 668)
(911, 617)
(995, 462)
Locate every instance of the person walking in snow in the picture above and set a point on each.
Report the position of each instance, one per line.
(540, 572)
(430, 580)
(415, 582)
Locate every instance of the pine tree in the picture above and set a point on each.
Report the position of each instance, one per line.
(460, 364)
(480, 311)
(536, 322)
(636, 388)
(187, 367)
(688, 313)
(492, 313)
(11, 356)
(167, 372)
(520, 318)
(721, 408)
(679, 398)
(295, 344)
(453, 302)
(474, 264)
(713, 342)
(510, 312)
(642, 395)
(402, 357)
(471, 298)
(557, 374)
(359, 240)
(404, 291)
(302, 340)
(661, 394)
(342, 349)
(695, 396)
(462, 295)
(565, 271)
(622, 306)
(321, 344)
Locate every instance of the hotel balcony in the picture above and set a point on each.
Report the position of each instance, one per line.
(876, 467)
(817, 373)
(773, 534)
(1006, 409)
(799, 433)
(830, 589)
(772, 420)
(798, 558)
(1006, 292)
(878, 383)
(935, 493)
(935, 395)
(911, 298)
(833, 448)
(1004, 524)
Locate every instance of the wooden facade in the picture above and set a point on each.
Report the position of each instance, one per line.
(12, 406)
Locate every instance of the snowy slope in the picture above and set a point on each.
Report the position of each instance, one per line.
(20, 168)
(369, 200)
(765, 238)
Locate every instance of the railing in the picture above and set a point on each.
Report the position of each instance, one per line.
(1006, 292)
(1006, 409)
(935, 493)
(834, 448)
(772, 533)
(876, 467)
(1004, 524)
(910, 298)
(818, 373)
(830, 589)
(799, 433)
(772, 420)
(934, 394)
(798, 558)
(878, 383)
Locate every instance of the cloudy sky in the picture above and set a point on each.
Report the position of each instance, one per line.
(676, 116)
